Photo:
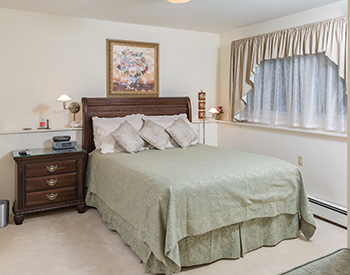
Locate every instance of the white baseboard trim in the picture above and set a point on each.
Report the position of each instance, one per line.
(329, 211)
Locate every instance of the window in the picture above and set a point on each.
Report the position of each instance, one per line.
(302, 92)
(293, 77)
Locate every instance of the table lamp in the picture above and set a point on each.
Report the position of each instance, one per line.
(213, 111)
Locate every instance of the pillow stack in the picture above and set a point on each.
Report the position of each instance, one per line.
(139, 132)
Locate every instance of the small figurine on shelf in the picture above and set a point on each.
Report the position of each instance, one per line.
(218, 116)
(43, 124)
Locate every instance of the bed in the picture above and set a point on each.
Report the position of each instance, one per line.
(185, 207)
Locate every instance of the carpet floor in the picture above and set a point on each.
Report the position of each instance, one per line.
(336, 263)
(65, 242)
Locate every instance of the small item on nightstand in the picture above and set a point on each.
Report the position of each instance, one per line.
(25, 152)
(63, 142)
(47, 124)
(61, 138)
(59, 145)
(27, 128)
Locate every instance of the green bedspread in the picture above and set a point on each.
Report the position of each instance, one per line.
(166, 196)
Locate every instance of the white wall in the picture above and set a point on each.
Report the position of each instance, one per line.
(324, 170)
(43, 56)
(325, 157)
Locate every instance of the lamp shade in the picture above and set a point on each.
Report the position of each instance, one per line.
(213, 111)
(64, 98)
(178, 1)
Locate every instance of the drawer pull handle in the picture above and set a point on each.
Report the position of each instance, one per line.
(51, 182)
(52, 196)
(51, 168)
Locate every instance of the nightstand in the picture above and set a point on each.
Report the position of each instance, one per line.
(49, 179)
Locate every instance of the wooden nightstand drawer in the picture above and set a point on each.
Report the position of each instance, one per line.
(50, 182)
(49, 168)
(50, 196)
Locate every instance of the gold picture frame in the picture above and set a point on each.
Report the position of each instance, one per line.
(132, 68)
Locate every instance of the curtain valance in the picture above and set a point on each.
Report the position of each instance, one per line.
(328, 36)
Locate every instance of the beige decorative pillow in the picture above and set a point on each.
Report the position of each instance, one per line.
(154, 134)
(166, 121)
(127, 137)
(182, 133)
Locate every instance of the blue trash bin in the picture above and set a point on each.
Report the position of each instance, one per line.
(4, 213)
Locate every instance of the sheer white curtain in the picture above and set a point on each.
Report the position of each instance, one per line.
(302, 91)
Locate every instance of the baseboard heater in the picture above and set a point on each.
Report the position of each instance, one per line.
(329, 212)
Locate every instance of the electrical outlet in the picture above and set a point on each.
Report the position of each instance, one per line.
(301, 160)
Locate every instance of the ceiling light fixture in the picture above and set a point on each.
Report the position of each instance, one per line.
(178, 1)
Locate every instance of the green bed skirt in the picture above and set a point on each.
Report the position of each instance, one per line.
(230, 242)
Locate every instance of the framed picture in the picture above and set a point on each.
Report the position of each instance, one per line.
(132, 68)
(201, 105)
(201, 95)
(201, 114)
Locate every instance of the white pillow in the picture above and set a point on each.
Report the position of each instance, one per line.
(102, 127)
(182, 133)
(99, 125)
(127, 137)
(168, 120)
(154, 134)
(109, 145)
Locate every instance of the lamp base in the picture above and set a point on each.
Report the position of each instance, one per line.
(76, 124)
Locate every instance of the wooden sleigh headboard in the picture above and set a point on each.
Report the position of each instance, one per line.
(122, 106)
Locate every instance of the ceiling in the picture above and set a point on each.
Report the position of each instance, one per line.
(216, 16)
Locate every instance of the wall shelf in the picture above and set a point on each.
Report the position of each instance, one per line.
(35, 131)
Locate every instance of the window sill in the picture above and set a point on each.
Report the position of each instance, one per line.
(208, 120)
(280, 128)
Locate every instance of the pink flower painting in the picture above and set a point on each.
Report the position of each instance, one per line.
(132, 68)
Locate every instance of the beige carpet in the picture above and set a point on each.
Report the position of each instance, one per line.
(336, 263)
(65, 242)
